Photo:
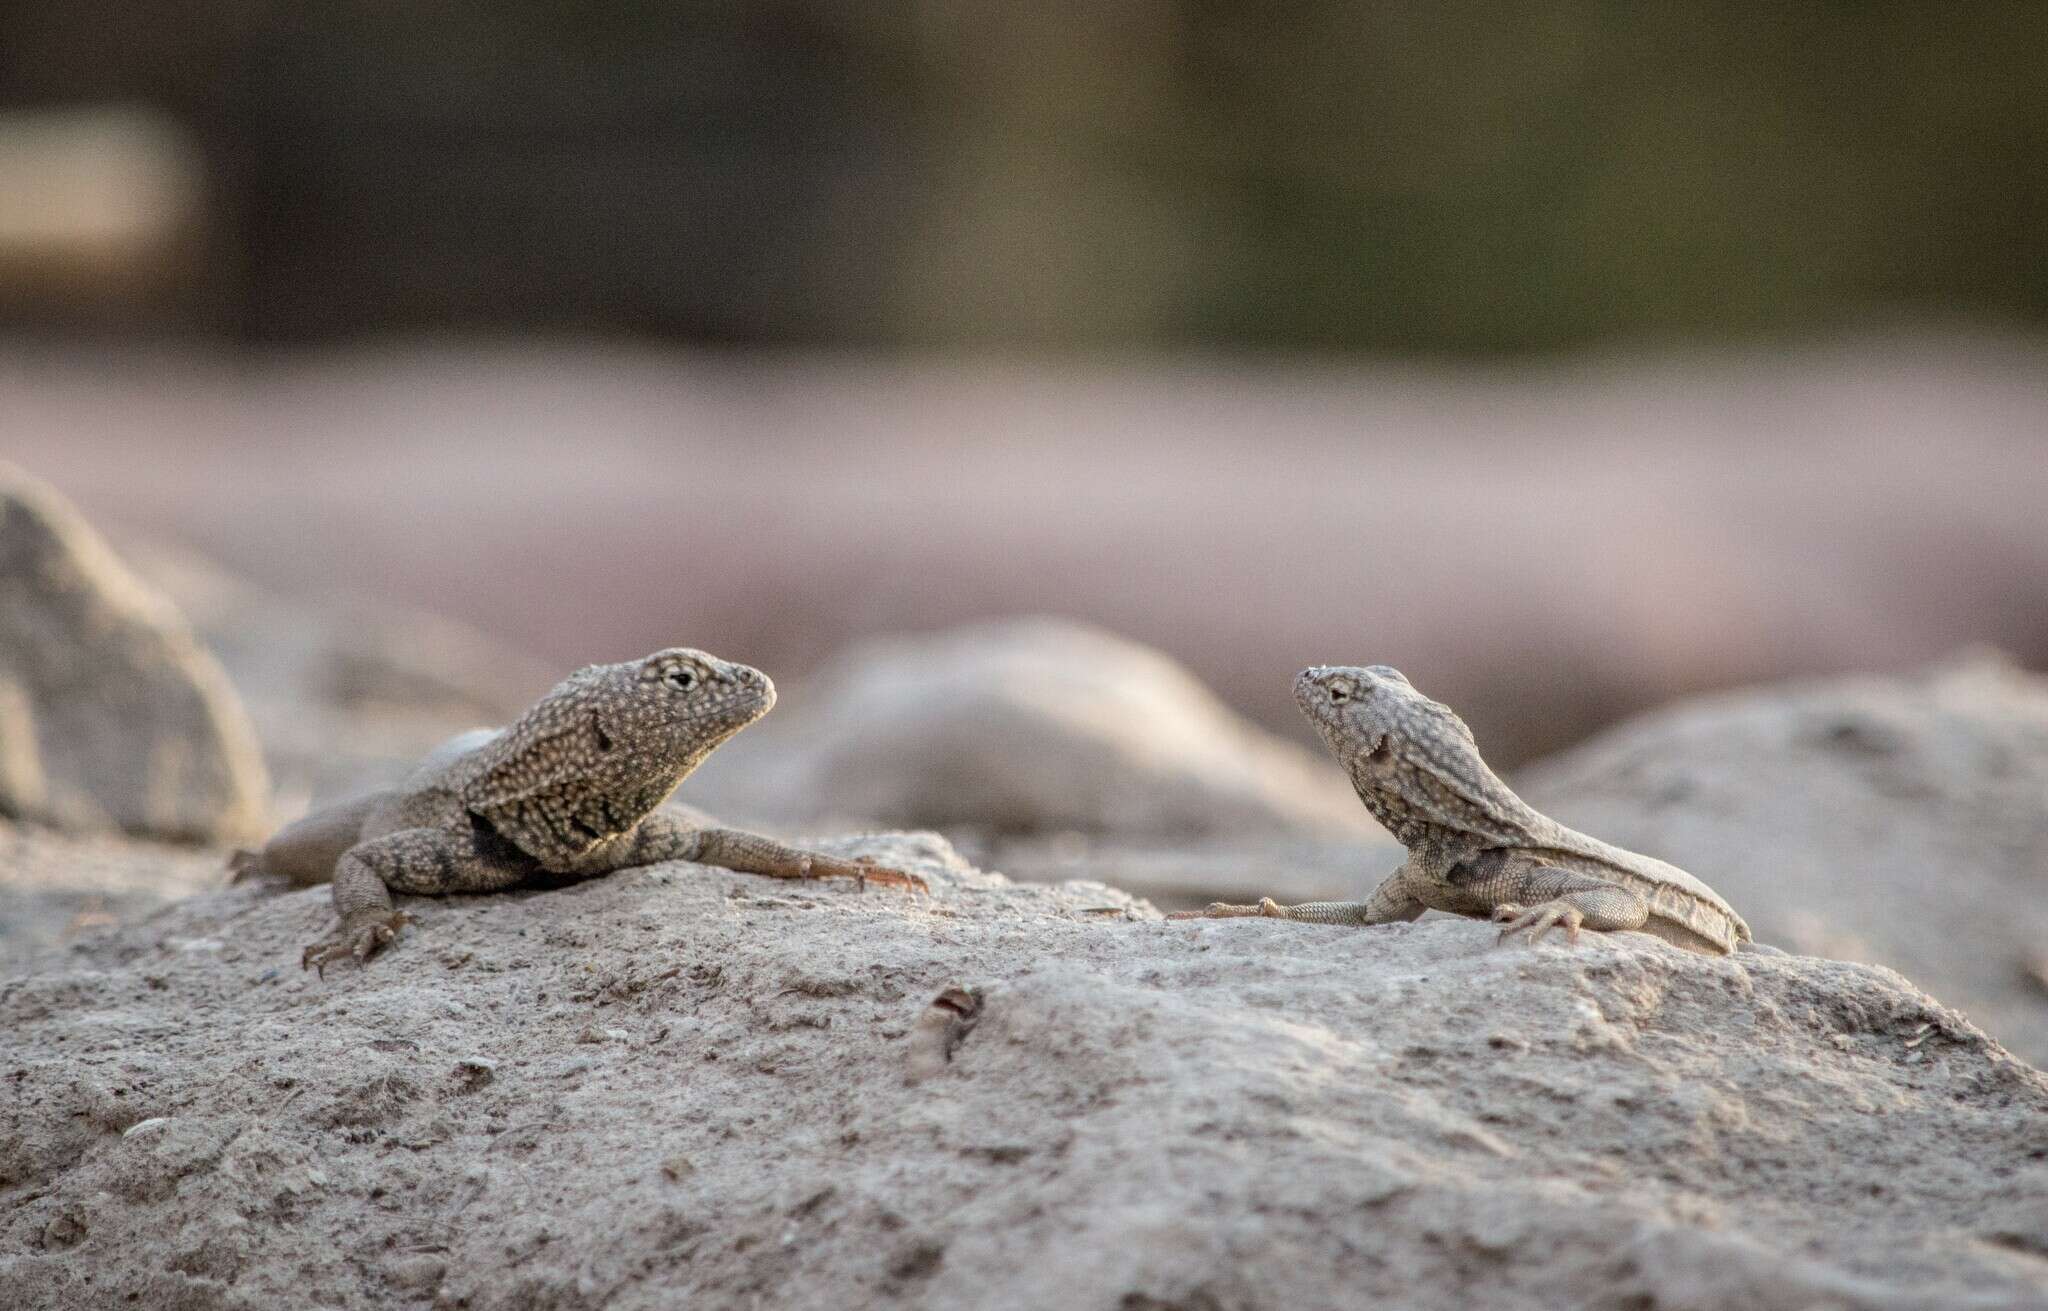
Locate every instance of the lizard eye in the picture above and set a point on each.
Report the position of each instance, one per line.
(1340, 692)
(679, 678)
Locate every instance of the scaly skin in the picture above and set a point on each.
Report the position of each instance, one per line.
(570, 790)
(1474, 847)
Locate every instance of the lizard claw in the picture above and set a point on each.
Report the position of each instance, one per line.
(1223, 910)
(1534, 923)
(359, 937)
(888, 875)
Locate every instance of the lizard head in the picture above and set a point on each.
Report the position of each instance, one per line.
(1356, 708)
(1411, 760)
(608, 745)
(1371, 714)
(681, 702)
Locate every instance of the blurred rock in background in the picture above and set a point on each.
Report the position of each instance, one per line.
(1902, 822)
(1029, 727)
(346, 695)
(112, 716)
(1546, 548)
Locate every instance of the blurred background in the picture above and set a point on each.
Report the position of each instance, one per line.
(1569, 356)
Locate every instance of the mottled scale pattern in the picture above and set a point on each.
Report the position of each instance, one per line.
(606, 747)
(1474, 847)
(571, 789)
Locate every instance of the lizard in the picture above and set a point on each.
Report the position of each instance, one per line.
(569, 791)
(1474, 847)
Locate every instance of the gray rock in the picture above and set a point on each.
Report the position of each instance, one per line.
(1901, 821)
(1108, 1112)
(1026, 726)
(111, 714)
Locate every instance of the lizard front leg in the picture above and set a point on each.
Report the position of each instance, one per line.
(428, 861)
(660, 837)
(1392, 902)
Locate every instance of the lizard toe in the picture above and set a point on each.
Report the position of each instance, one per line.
(863, 871)
(1532, 924)
(895, 878)
(1215, 910)
(360, 938)
(318, 955)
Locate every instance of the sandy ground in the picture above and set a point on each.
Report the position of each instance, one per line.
(1556, 545)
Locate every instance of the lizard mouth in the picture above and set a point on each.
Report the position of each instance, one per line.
(741, 706)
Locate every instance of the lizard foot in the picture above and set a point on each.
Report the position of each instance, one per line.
(359, 937)
(1223, 910)
(862, 870)
(1533, 923)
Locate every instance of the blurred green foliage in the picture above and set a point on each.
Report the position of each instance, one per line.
(1453, 177)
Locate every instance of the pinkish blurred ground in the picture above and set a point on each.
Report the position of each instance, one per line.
(1546, 547)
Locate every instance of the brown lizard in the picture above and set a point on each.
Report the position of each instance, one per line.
(1474, 847)
(570, 790)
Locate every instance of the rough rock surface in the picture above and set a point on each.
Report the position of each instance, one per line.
(681, 1086)
(1028, 726)
(1902, 821)
(111, 714)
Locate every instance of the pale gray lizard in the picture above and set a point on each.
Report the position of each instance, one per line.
(569, 791)
(1474, 847)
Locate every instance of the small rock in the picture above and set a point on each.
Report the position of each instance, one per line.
(67, 1230)
(939, 1031)
(416, 1274)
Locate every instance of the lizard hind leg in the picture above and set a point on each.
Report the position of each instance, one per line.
(421, 861)
(1601, 906)
(362, 897)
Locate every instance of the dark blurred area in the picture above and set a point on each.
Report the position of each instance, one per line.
(1338, 177)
